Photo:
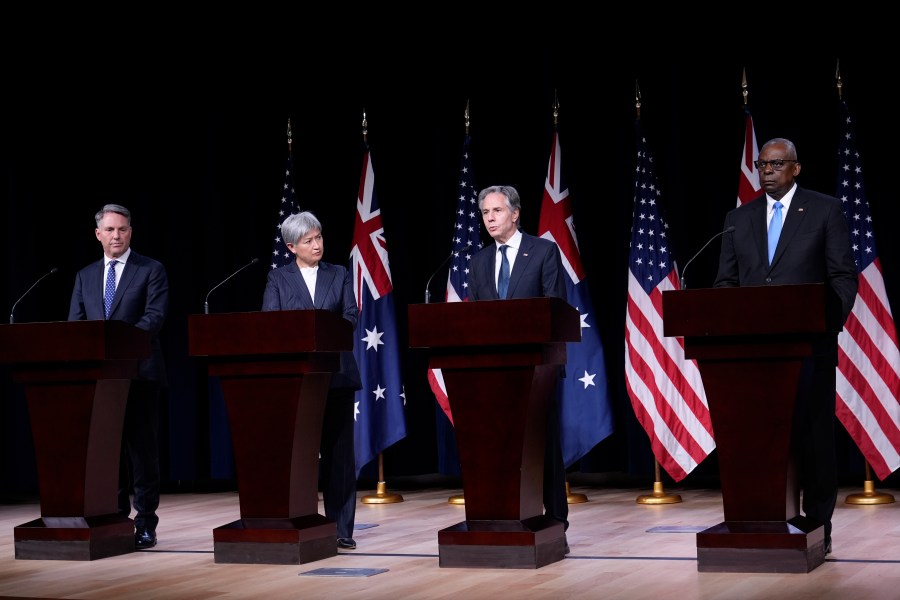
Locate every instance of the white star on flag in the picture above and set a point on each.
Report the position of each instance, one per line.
(588, 379)
(379, 392)
(373, 339)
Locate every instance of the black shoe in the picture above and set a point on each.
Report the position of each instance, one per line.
(346, 543)
(144, 538)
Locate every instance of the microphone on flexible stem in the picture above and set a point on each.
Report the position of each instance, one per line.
(13, 309)
(206, 302)
(728, 229)
(440, 266)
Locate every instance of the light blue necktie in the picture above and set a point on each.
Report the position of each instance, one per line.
(110, 292)
(503, 279)
(775, 230)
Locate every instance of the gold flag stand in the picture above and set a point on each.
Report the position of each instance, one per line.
(574, 498)
(869, 495)
(381, 495)
(458, 499)
(658, 496)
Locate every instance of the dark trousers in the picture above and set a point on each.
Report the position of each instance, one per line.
(139, 462)
(814, 436)
(556, 504)
(337, 467)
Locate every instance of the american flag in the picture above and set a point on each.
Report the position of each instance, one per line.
(748, 186)
(466, 241)
(380, 404)
(289, 205)
(666, 390)
(868, 376)
(584, 408)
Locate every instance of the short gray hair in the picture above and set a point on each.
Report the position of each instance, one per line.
(112, 208)
(297, 225)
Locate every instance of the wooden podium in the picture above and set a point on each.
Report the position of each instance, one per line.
(750, 343)
(76, 376)
(275, 370)
(500, 361)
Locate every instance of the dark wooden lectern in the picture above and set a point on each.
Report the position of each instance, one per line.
(76, 376)
(750, 343)
(500, 361)
(275, 369)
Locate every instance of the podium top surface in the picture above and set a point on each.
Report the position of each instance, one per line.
(61, 341)
(752, 310)
(493, 323)
(269, 332)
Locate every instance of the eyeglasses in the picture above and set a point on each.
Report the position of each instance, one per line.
(776, 164)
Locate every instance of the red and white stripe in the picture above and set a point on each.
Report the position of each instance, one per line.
(748, 185)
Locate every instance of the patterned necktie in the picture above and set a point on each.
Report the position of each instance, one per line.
(775, 230)
(503, 279)
(110, 291)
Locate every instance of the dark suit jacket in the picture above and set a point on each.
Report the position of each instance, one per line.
(287, 290)
(142, 299)
(537, 271)
(814, 247)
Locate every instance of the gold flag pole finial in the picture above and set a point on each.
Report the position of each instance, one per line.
(637, 98)
(365, 128)
(289, 134)
(840, 83)
(466, 117)
(555, 109)
(744, 92)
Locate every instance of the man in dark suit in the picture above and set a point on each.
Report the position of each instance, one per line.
(534, 269)
(309, 283)
(813, 247)
(126, 286)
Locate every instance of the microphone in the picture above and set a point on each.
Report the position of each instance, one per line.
(206, 302)
(728, 229)
(13, 309)
(440, 266)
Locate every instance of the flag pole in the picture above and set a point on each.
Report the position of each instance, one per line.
(869, 495)
(659, 495)
(381, 495)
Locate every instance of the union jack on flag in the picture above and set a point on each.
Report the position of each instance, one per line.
(584, 408)
(379, 407)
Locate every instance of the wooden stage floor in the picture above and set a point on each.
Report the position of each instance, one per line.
(619, 549)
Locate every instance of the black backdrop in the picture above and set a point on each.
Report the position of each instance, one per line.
(196, 148)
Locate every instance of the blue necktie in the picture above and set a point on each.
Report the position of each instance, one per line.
(110, 292)
(774, 230)
(503, 279)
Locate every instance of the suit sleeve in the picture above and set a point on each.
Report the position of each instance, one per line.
(271, 297)
(76, 305)
(840, 264)
(350, 311)
(552, 274)
(727, 275)
(157, 300)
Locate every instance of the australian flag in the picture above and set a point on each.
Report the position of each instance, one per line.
(380, 404)
(584, 408)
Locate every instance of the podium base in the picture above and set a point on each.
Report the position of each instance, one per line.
(275, 541)
(794, 546)
(502, 544)
(74, 538)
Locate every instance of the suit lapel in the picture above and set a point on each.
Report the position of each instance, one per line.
(298, 285)
(324, 279)
(523, 256)
(129, 272)
(794, 219)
